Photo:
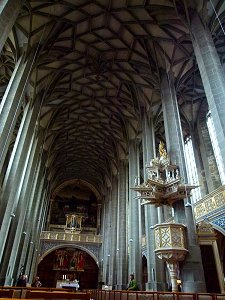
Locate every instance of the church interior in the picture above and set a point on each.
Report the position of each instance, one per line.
(112, 144)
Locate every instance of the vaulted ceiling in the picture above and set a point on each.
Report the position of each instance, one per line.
(98, 68)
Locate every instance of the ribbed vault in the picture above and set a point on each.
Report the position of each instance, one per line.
(98, 66)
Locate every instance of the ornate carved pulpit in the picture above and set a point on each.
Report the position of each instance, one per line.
(163, 187)
(170, 245)
(163, 184)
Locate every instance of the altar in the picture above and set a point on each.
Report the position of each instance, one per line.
(66, 284)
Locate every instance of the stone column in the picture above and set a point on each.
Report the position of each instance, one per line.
(35, 236)
(113, 232)
(192, 271)
(134, 221)
(30, 227)
(16, 228)
(212, 75)
(9, 10)
(106, 236)
(121, 255)
(43, 224)
(23, 209)
(212, 176)
(51, 201)
(31, 213)
(155, 266)
(11, 102)
(15, 173)
(99, 206)
(196, 142)
(101, 260)
(101, 277)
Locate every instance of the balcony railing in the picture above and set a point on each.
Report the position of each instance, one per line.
(71, 237)
(210, 204)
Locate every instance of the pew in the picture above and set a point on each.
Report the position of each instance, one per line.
(46, 289)
(34, 294)
(6, 293)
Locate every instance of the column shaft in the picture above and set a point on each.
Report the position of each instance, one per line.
(99, 207)
(172, 124)
(212, 176)
(23, 209)
(122, 257)
(29, 226)
(16, 227)
(155, 267)
(134, 222)
(192, 271)
(11, 103)
(106, 237)
(113, 233)
(15, 173)
(212, 75)
(9, 10)
(35, 242)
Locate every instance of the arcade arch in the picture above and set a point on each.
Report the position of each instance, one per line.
(66, 263)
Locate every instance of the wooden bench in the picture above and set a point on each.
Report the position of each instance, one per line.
(6, 293)
(46, 289)
(31, 294)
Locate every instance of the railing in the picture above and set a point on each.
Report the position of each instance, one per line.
(128, 295)
(71, 237)
(209, 204)
(57, 227)
(207, 207)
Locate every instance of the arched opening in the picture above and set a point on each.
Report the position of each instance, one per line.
(75, 198)
(144, 271)
(67, 264)
(212, 245)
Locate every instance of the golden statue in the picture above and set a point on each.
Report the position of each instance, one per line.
(162, 150)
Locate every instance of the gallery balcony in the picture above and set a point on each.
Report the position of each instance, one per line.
(70, 237)
(211, 208)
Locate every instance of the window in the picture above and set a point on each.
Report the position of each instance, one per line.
(215, 146)
(192, 169)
